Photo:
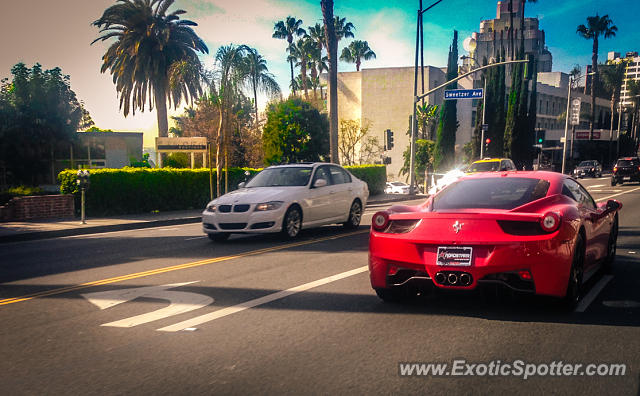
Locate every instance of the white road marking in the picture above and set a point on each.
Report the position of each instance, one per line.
(588, 299)
(259, 301)
(596, 186)
(200, 237)
(621, 304)
(615, 195)
(180, 302)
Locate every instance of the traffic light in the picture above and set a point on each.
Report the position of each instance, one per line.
(486, 145)
(540, 136)
(388, 138)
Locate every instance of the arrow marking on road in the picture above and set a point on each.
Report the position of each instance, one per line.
(191, 323)
(181, 302)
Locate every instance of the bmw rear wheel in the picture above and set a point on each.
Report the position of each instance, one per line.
(355, 215)
(292, 222)
(575, 276)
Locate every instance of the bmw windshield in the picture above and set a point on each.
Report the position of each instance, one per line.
(281, 177)
(490, 193)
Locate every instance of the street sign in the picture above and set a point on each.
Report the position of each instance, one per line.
(562, 139)
(575, 111)
(485, 127)
(452, 94)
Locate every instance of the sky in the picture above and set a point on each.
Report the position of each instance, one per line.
(59, 33)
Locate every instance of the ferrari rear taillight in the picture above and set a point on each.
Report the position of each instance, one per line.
(401, 226)
(550, 222)
(380, 221)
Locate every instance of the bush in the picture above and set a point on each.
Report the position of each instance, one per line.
(374, 175)
(20, 191)
(141, 190)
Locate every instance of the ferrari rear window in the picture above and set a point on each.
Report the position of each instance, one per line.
(491, 193)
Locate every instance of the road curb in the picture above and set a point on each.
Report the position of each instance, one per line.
(30, 236)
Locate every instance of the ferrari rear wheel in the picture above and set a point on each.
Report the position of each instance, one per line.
(575, 276)
(390, 295)
(612, 245)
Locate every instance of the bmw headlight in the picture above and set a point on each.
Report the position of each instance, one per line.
(273, 205)
(211, 207)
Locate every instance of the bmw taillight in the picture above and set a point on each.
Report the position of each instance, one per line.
(615, 169)
(550, 222)
(380, 221)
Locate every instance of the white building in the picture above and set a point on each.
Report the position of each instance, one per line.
(632, 73)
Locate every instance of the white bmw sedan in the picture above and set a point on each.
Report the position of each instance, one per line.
(288, 198)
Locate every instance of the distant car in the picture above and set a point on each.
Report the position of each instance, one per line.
(590, 168)
(287, 199)
(396, 188)
(491, 165)
(536, 232)
(626, 170)
(446, 179)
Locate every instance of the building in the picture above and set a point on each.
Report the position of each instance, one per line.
(632, 73)
(494, 35)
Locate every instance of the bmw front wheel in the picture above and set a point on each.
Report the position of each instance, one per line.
(292, 223)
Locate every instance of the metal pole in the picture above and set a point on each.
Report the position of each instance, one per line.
(412, 176)
(618, 134)
(566, 125)
(484, 106)
(82, 218)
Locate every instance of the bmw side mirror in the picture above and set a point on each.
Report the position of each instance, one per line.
(319, 183)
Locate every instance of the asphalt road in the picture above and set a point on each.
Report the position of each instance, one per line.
(260, 315)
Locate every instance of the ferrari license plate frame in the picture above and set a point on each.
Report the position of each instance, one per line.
(454, 256)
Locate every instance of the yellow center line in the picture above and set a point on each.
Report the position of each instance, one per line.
(157, 271)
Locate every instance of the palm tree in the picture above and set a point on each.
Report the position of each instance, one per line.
(613, 77)
(259, 78)
(149, 43)
(596, 26)
(332, 53)
(287, 30)
(317, 35)
(229, 74)
(356, 52)
(343, 28)
(302, 51)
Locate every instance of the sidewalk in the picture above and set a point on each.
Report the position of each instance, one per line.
(41, 229)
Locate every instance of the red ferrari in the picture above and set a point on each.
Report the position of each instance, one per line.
(538, 232)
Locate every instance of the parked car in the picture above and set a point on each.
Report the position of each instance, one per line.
(626, 170)
(396, 188)
(537, 232)
(491, 165)
(590, 168)
(287, 199)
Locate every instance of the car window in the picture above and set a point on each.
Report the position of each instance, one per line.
(491, 166)
(339, 176)
(579, 194)
(322, 173)
(285, 176)
(490, 193)
(626, 162)
(587, 200)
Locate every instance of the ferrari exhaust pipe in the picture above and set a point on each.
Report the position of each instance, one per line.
(452, 278)
(441, 278)
(465, 279)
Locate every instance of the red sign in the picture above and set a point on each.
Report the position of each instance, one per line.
(584, 135)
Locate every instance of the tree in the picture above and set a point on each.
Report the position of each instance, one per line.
(287, 30)
(444, 152)
(343, 28)
(427, 119)
(259, 79)
(596, 26)
(302, 51)
(332, 54)
(39, 112)
(149, 43)
(295, 131)
(424, 157)
(356, 52)
(356, 147)
(633, 86)
(613, 74)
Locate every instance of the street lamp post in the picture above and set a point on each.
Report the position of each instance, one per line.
(566, 123)
(484, 106)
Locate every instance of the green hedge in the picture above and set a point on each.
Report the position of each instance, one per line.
(142, 190)
(374, 175)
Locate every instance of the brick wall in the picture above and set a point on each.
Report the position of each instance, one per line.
(38, 207)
